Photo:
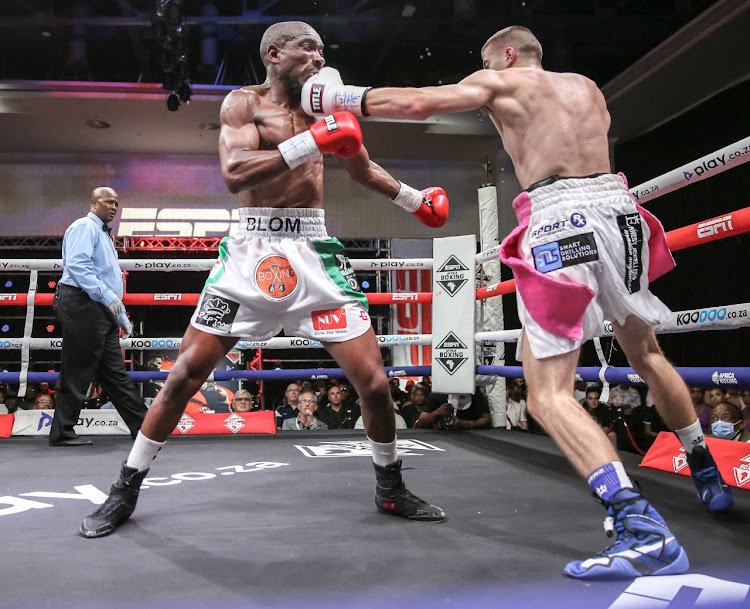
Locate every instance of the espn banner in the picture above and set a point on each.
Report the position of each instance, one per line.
(453, 312)
(732, 458)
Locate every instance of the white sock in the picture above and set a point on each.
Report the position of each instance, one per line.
(691, 436)
(384, 454)
(143, 452)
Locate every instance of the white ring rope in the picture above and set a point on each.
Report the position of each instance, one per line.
(695, 171)
(725, 317)
(206, 264)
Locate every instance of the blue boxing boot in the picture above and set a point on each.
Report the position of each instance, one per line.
(712, 490)
(644, 545)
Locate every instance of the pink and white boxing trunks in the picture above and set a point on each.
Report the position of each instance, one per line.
(584, 251)
(282, 270)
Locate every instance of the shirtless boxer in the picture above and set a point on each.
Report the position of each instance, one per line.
(282, 270)
(580, 241)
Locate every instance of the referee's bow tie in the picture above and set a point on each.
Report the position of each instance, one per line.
(107, 229)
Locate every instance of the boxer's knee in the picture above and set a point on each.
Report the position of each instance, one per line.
(376, 395)
(184, 380)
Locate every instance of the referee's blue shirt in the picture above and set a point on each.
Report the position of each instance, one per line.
(90, 262)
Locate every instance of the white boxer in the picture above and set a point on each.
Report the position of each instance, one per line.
(584, 251)
(282, 271)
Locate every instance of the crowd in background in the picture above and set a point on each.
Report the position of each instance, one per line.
(627, 416)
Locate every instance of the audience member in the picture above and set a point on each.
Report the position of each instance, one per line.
(726, 423)
(243, 402)
(27, 403)
(44, 401)
(305, 419)
(579, 392)
(516, 405)
(601, 412)
(349, 397)
(715, 395)
(413, 407)
(733, 396)
(456, 411)
(653, 425)
(321, 392)
(336, 414)
(625, 397)
(400, 423)
(702, 410)
(288, 407)
(398, 396)
(11, 401)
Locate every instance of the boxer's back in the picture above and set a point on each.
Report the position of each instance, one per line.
(552, 123)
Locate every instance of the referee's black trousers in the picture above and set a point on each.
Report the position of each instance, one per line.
(90, 350)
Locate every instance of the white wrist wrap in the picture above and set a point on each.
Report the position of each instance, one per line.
(349, 97)
(409, 198)
(299, 149)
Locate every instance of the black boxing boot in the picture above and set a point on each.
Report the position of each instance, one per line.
(392, 496)
(118, 507)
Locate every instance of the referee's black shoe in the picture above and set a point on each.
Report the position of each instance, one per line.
(118, 507)
(392, 496)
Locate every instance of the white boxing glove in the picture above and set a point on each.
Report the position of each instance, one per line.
(325, 93)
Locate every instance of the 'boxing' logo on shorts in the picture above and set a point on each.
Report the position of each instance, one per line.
(632, 238)
(217, 312)
(275, 278)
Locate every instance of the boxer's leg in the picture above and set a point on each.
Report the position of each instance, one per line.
(362, 363)
(643, 543)
(198, 355)
(672, 400)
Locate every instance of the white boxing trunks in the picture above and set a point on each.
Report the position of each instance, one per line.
(584, 251)
(282, 271)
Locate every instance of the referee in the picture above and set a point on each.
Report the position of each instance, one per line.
(88, 306)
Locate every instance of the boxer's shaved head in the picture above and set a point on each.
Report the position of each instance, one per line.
(521, 39)
(279, 34)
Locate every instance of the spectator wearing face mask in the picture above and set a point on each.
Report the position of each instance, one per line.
(726, 423)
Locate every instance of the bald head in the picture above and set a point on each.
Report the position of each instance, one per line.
(103, 191)
(104, 203)
(279, 34)
(520, 39)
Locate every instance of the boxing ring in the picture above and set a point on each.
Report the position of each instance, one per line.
(286, 520)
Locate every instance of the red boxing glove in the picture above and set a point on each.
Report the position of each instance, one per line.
(337, 134)
(430, 206)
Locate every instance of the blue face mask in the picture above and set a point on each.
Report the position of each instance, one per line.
(723, 429)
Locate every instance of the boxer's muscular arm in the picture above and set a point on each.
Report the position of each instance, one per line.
(370, 174)
(243, 166)
(473, 92)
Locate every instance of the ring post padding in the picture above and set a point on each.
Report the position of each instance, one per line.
(453, 314)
